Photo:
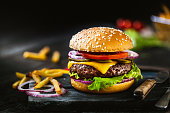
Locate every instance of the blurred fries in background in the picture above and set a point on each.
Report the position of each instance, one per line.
(36, 56)
(162, 25)
(166, 13)
(55, 56)
(42, 55)
(44, 51)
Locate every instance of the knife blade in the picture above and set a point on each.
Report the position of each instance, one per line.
(164, 100)
(143, 90)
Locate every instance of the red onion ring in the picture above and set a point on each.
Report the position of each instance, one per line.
(38, 94)
(35, 90)
(75, 55)
(131, 54)
(22, 90)
(90, 82)
(84, 82)
(126, 80)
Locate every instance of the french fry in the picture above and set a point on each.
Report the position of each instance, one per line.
(58, 70)
(45, 50)
(24, 79)
(55, 56)
(36, 56)
(14, 85)
(20, 75)
(36, 78)
(42, 83)
(46, 73)
(167, 12)
(56, 85)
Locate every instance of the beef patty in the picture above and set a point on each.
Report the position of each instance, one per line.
(86, 71)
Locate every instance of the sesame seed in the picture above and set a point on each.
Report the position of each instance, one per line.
(98, 46)
(103, 36)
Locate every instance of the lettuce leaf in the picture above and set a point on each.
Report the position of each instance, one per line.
(140, 42)
(104, 82)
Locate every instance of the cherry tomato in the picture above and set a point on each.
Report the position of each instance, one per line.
(103, 56)
(124, 24)
(138, 25)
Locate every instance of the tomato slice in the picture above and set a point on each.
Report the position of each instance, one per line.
(103, 56)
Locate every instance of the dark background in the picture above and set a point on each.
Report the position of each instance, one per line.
(59, 16)
(30, 25)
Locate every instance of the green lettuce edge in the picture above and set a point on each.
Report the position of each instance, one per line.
(104, 82)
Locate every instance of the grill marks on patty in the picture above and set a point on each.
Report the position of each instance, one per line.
(86, 71)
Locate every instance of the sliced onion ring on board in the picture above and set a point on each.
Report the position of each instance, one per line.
(25, 83)
(35, 90)
(38, 94)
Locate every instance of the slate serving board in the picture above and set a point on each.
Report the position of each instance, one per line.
(75, 100)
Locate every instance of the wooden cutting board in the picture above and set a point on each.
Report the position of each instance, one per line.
(75, 100)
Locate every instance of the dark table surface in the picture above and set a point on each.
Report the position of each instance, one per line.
(13, 45)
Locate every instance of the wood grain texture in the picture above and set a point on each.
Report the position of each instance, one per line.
(144, 88)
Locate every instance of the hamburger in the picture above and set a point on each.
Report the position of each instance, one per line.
(101, 61)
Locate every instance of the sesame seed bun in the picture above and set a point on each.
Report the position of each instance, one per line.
(115, 88)
(101, 39)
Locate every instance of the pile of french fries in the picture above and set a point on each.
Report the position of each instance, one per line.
(166, 13)
(49, 75)
(42, 55)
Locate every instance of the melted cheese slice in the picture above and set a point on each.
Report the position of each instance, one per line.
(102, 67)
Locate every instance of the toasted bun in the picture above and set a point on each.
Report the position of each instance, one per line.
(101, 39)
(115, 88)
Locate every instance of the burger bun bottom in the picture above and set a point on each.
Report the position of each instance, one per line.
(113, 89)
